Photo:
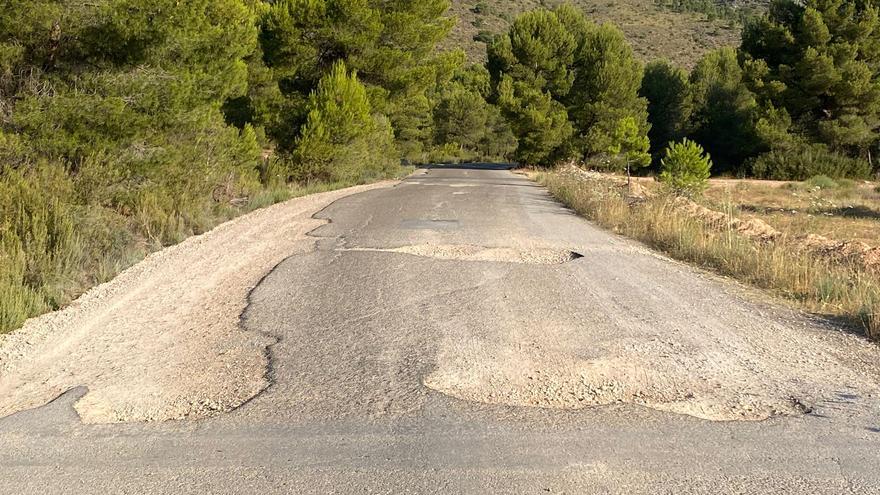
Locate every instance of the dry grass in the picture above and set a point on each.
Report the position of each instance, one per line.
(819, 285)
(845, 211)
(653, 31)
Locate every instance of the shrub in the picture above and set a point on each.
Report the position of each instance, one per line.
(487, 37)
(804, 161)
(846, 183)
(822, 182)
(39, 249)
(686, 167)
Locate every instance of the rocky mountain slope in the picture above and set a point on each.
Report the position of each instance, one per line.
(654, 27)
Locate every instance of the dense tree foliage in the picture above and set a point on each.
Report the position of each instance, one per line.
(670, 105)
(469, 125)
(391, 45)
(800, 98)
(565, 84)
(819, 62)
(531, 67)
(538, 52)
(111, 130)
(724, 114)
(539, 122)
(605, 90)
(341, 140)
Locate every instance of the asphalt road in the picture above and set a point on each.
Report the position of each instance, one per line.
(411, 371)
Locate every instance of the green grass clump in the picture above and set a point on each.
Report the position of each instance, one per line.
(39, 248)
(822, 182)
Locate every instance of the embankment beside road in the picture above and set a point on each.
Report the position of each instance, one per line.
(162, 340)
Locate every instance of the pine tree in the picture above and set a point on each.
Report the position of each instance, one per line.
(538, 52)
(667, 90)
(465, 119)
(631, 144)
(539, 122)
(342, 140)
(725, 111)
(605, 90)
(686, 167)
(562, 63)
(819, 61)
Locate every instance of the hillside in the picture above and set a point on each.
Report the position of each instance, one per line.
(654, 31)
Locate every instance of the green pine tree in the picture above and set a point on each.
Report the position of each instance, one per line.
(605, 90)
(629, 143)
(725, 111)
(539, 122)
(667, 90)
(537, 51)
(819, 61)
(342, 140)
(686, 167)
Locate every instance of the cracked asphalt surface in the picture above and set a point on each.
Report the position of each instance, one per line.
(406, 372)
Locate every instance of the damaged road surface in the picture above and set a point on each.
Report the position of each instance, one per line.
(462, 332)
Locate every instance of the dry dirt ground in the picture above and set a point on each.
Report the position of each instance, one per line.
(162, 340)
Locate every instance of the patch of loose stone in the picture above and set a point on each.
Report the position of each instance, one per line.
(466, 252)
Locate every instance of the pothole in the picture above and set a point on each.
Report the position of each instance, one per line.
(466, 252)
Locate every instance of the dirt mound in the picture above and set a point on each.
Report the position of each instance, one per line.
(848, 251)
(637, 190)
(753, 228)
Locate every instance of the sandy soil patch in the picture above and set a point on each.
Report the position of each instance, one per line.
(741, 376)
(162, 340)
(533, 256)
